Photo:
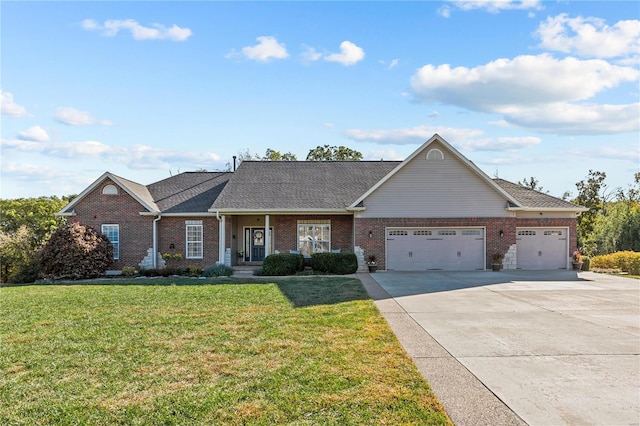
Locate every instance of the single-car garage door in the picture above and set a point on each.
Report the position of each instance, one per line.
(422, 249)
(541, 248)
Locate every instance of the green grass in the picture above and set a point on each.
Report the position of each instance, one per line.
(302, 350)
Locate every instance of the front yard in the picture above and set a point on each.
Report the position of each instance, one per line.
(302, 350)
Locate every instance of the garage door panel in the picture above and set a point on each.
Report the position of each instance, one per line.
(541, 248)
(435, 249)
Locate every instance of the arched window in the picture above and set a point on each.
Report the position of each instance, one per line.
(435, 154)
(110, 190)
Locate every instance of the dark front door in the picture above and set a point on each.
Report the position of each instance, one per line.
(257, 244)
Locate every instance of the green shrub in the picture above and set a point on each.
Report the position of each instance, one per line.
(626, 261)
(282, 264)
(334, 263)
(192, 271)
(129, 271)
(151, 272)
(76, 251)
(25, 274)
(218, 271)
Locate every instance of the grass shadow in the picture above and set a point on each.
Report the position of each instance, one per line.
(314, 291)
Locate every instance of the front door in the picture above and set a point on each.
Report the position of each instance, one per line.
(257, 244)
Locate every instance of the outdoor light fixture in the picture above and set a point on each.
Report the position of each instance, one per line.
(172, 246)
(501, 233)
(370, 234)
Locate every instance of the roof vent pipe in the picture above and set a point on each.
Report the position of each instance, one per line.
(234, 163)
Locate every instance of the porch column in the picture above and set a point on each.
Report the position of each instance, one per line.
(267, 236)
(221, 239)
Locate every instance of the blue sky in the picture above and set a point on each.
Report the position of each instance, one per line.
(149, 89)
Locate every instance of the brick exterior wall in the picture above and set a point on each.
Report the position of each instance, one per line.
(285, 229)
(172, 230)
(136, 231)
(494, 242)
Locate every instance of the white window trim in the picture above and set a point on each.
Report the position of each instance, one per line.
(194, 224)
(314, 223)
(116, 252)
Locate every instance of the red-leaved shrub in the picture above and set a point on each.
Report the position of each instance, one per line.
(76, 251)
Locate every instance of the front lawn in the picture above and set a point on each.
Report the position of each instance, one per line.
(299, 351)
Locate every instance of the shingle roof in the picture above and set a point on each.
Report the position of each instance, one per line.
(140, 191)
(189, 192)
(300, 185)
(534, 199)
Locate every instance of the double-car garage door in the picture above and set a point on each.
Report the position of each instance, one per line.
(423, 249)
(463, 249)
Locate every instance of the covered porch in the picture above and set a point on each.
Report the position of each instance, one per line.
(246, 239)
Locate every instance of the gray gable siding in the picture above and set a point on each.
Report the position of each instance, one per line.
(435, 188)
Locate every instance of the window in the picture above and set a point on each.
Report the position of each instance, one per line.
(393, 233)
(527, 232)
(435, 154)
(447, 232)
(422, 232)
(195, 246)
(110, 190)
(559, 233)
(112, 232)
(314, 237)
(471, 232)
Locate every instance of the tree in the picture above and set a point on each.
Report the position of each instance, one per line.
(629, 235)
(333, 153)
(76, 251)
(532, 184)
(272, 155)
(37, 214)
(589, 196)
(18, 255)
(25, 224)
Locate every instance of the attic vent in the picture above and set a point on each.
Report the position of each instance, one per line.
(435, 154)
(110, 190)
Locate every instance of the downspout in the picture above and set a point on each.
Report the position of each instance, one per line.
(155, 240)
(221, 237)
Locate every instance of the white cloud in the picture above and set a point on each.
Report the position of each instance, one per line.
(578, 119)
(494, 6)
(35, 133)
(267, 48)
(500, 144)
(411, 135)
(525, 90)
(464, 139)
(139, 32)
(75, 117)
(350, 54)
(9, 107)
(384, 154)
(589, 37)
(310, 55)
(136, 156)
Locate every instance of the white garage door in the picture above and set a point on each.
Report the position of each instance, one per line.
(541, 248)
(422, 249)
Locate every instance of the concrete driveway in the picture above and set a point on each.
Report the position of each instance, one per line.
(515, 347)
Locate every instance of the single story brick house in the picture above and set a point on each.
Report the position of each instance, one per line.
(434, 210)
